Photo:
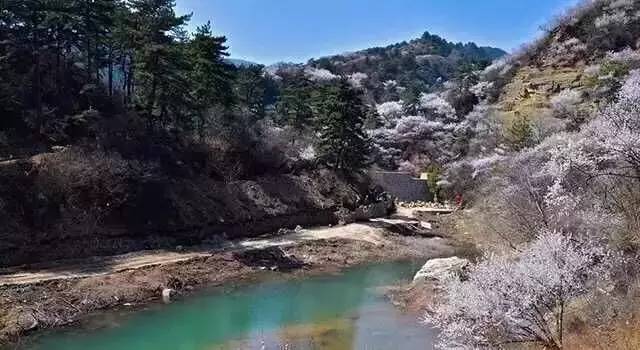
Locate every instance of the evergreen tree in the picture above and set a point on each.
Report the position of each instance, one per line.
(343, 143)
(160, 64)
(96, 23)
(38, 39)
(520, 134)
(295, 103)
(210, 76)
(251, 90)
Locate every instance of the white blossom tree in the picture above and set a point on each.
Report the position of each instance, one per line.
(390, 111)
(319, 74)
(436, 105)
(520, 299)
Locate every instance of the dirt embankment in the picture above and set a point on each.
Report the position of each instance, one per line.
(52, 296)
(73, 204)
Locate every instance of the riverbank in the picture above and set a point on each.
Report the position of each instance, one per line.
(55, 302)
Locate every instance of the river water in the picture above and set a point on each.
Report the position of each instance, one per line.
(333, 312)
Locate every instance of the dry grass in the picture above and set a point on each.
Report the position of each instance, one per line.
(530, 91)
(619, 336)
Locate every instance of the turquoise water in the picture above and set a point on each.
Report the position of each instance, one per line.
(343, 311)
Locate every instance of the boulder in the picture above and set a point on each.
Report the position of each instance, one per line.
(27, 322)
(438, 269)
(167, 295)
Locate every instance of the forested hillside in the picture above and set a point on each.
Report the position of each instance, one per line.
(416, 93)
(121, 131)
(553, 182)
(407, 69)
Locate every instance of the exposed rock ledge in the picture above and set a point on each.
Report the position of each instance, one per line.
(439, 269)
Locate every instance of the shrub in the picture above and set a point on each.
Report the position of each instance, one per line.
(87, 186)
(565, 103)
(520, 134)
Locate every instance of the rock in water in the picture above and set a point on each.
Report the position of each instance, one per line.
(167, 295)
(439, 269)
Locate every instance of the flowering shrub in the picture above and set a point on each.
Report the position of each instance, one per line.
(566, 50)
(616, 18)
(626, 56)
(565, 103)
(318, 74)
(522, 298)
(357, 79)
(433, 103)
(390, 111)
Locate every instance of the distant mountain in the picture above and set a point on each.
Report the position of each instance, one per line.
(403, 70)
(241, 63)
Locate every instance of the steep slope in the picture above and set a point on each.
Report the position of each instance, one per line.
(576, 66)
(554, 159)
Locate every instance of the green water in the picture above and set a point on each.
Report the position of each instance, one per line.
(335, 312)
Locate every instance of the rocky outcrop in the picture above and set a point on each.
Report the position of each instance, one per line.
(439, 269)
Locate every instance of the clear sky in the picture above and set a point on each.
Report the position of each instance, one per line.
(269, 31)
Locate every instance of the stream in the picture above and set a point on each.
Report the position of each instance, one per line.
(333, 312)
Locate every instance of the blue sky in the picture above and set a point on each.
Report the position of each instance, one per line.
(269, 31)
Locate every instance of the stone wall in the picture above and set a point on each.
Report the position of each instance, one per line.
(403, 186)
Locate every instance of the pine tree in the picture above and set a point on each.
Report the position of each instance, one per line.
(122, 53)
(343, 143)
(160, 63)
(251, 90)
(210, 76)
(38, 37)
(295, 103)
(96, 23)
(520, 134)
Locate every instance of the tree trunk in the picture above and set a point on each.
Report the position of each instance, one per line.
(37, 87)
(96, 52)
(37, 79)
(151, 97)
(110, 70)
(58, 73)
(130, 89)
